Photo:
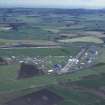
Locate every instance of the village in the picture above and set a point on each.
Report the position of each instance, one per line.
(48, 65)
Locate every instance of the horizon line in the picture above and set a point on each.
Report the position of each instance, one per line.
(53, 7)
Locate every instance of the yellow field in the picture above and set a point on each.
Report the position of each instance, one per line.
(87, 39)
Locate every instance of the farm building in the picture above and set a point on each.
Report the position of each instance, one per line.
(28, 70)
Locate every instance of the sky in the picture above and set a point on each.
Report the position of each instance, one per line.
(90, 4)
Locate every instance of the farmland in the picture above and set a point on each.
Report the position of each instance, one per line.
(83, 39)
(50, 39)
(75, 96)
(9, 84)
(39, 51)
(34, 25)
(11, 87)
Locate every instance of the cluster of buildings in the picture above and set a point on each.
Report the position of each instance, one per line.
(84, 59)
(46, 64)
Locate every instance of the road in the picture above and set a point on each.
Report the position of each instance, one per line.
(75, 61)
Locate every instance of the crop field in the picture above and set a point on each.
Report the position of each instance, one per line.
(4, 42)
(36, 26)
(26, 33)
(64, 51)
(28, 43)
(101, 57)
(88, 39)
(34, 42)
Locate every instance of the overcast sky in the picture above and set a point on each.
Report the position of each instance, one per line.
(54, 3)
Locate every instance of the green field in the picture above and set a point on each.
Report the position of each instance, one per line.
(76, 97)
(59, 28)
(11, 88)
(9, 84)
(33, 42)
(101, 57)
(40, 51)
(49, 27)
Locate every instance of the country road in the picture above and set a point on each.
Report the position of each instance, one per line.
(69, 67)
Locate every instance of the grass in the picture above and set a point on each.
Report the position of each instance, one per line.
(8, 72)
(40, 51)
(11, 88)
(87, 39)
(8, 96)
(101, 57)
(34, 42)
(97, 82)
(5, 42)
(40, 81)
(76, 97)
(14, 88)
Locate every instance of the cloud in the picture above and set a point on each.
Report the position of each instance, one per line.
(56, 3)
